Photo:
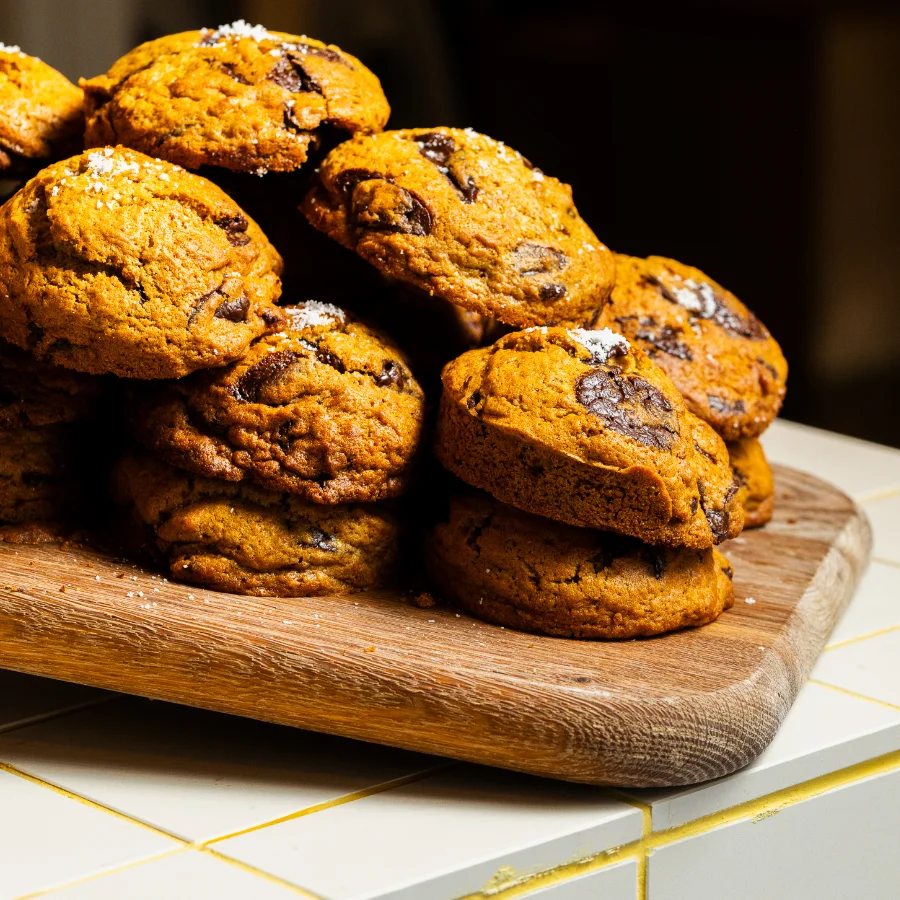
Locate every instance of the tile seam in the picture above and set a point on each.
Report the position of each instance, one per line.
(855, 694)
(877, 494)
(54, 714)
(886, 562)
(93, 876)
(361, 794)
(862, 637)
(259, 873)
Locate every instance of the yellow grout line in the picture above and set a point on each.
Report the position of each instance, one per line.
(55, 714)
(878, 494)
(862, 637)
(755, 810)
(646, 831)
(849, 693)
(13, 770)
(259, 873)
(338, 801)
(886, 562)
(95, 875)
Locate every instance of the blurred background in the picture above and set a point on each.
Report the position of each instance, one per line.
(759, 141)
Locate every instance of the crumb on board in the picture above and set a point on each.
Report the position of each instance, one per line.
(369, 649)
(424, 600)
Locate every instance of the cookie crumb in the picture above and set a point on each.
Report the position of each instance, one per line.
(424, 600)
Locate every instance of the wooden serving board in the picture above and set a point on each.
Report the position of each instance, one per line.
(676, 709)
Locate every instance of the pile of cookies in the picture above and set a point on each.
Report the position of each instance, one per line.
(600, 413)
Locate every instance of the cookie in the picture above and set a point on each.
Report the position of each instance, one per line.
(40, 475)
(464, 217)
(246, 540)
(41, 114)
(239, 97)
(581, 427)
(727, 366)
(112, 262)
(326, 409)
(35, 393)
(526, 572)
(756, 492)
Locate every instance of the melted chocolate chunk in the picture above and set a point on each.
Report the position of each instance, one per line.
(729, 572)
(234, 310)
(703, 452)
(249, 386)
(629, 405)
(321, 52)
(288, 73)
(550, 292)
(347, 181)
(324, 355)
(473, 400)
(739, 476)
(436, 147)
(536, 259)
(322, 541)
(235, 228)
(695, 503)
(657, 560)
(384, 206)
(768, 367)
(231, 71)
(663, 338)
(391, 373)
(728, 407)
(201, 302)
(271, 318)
(718, 519)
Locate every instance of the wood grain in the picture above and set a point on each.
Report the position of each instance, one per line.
(677, 709)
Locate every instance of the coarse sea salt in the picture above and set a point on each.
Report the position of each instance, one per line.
(601, 343)
(314, 313)
(235, 31)
(10, 48)
(696, 296)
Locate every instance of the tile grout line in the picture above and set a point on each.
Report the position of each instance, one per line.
(862, 637)
(858, 696)
(886, 562)
(83, 879)
(259, 873)
(756, 810)
(646, 830)
(55, 714)
(877, 494)
(338, 801)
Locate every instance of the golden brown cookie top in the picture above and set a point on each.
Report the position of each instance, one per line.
(41, 113)
(34, 393)
(730, 370)
(590, 396)
(326, 408)
(113, 262)
(239, 97)
(467, 218)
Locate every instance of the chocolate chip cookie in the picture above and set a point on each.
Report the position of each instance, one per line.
(326, 409)
(753, 474)
(112, 262)
(35, 393)
(41, 114)
(246, 540)
(239, 97)
(467, 218)
(728, 367)
(525, 572)
(582, 427)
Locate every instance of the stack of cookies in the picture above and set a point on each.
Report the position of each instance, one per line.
(602, 426)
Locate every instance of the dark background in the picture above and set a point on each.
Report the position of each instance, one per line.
(759, 141)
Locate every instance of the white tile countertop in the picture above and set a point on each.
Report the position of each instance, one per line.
(105, 797)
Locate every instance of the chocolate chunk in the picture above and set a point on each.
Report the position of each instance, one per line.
(249, 386)
(272, 318)
(719, 404)
(535, 259)
(718, 519)
(200, 303)
(347, 181)
(629, 405)
(288, 73)
(664, 338)
(234, 310)
(322, 541)
(324, 355)
(695, 503)
(473, 400)
(465, 185)
(768, 367)
(703, 452)
(384, 206)
(436, 147)
(232, 72)
(657, 560)
(391, 373)
(235, 227)
(729, 572)
(321, 52)
(551, 292)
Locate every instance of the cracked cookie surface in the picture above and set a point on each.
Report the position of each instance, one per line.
(41, 114)
(525, 572)
(35, 393)
(756, 491)
(239, 97)
(581, 427)
(727, 366)
(326, 409)
(466, 218)
(246, 540)
(112, 262)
